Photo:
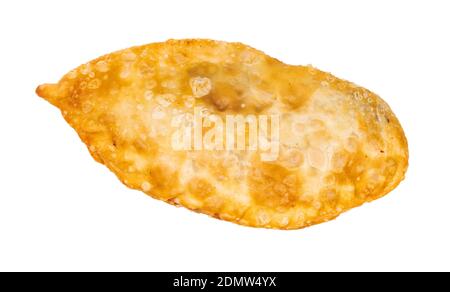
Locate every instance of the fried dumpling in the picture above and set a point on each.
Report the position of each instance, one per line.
(225, 130)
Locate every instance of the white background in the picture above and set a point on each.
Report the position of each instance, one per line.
(61, 211)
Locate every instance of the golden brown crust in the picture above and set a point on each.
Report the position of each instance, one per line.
(340, 144)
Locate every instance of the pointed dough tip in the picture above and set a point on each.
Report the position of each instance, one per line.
(48, 92)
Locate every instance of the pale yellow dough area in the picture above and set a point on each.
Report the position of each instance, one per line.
(340, 144)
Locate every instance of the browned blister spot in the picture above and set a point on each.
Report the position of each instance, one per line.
(294, 86)
(274, 186)
(201, 188)
(165, 181)
(224, 96)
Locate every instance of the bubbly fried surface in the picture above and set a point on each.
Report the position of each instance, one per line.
(340, 144)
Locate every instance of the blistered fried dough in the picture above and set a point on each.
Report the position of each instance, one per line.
(339, 145)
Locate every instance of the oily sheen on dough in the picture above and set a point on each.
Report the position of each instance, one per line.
(340, 145)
